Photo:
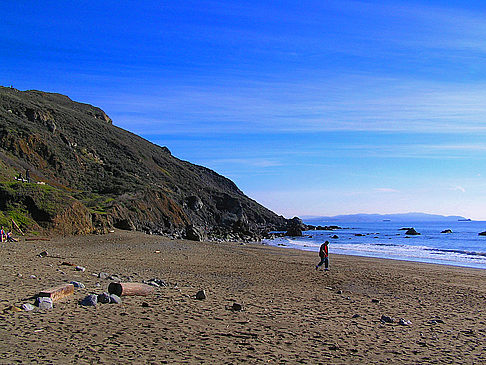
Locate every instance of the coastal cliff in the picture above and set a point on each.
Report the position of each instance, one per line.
(88, 176)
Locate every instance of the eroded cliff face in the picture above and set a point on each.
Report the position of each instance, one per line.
(114, 178)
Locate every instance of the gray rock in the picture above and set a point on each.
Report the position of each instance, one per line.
(156, 282)
(236, 307)
(90, 300)
(194, 203)
(195, 233)
(104, 298)
(43, 254)
(115, 299)
(33, 277)
(27, 307)
(77, 284)
(80, 268)
(103, 275)
(386, 319)
(201, 294)
(403, 322)
(115, 278)
(44, 303)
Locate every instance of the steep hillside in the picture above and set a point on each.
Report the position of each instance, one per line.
(103, 176)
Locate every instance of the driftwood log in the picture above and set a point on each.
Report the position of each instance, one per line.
(129, 289)
(58, 292)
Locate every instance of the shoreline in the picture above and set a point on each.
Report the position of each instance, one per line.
(465, 266)
(291, 313)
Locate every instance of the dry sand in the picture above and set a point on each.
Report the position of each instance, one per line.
(291, 313)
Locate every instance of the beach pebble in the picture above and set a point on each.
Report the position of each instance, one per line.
(104, 298)
(90, 300)
(33, 277)
(19, 275)
(115, 278)
(236, 307)
(44, 303)
(77, 284)
(43, 254)
(27, 307)
(375, 301)
(386, 319)
(356, 316)
(115, 299)
(103, 275)
(404, 322)
(201, 294)
(80, 268)
(145, 305)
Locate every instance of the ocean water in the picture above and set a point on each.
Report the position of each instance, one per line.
(463, 247)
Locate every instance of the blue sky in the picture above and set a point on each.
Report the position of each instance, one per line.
(311, 107)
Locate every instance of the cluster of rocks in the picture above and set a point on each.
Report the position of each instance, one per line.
(42, 302)
(322, 228)
(401, 321)
(157, 283)
(295, 226)
(104, 298)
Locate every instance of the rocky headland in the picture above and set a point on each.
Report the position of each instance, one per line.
(85, 175)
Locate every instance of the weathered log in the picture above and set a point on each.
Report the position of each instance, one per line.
(129, 289)
(58, 292)
(18, 228)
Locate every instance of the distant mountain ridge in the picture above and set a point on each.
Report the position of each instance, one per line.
(403, 217)
(95, 176)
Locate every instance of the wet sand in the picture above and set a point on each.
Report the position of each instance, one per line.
(291, 313)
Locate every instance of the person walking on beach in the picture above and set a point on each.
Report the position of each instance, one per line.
(3, 235)
(324, 255)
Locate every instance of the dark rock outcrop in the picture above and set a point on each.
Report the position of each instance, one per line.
(110, 177)
(412, 232)
(295, 226)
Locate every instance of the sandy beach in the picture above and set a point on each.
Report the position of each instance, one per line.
(290, 312)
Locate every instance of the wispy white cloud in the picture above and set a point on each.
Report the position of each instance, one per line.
(459, 188)
(385, 190)
(364, 104)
